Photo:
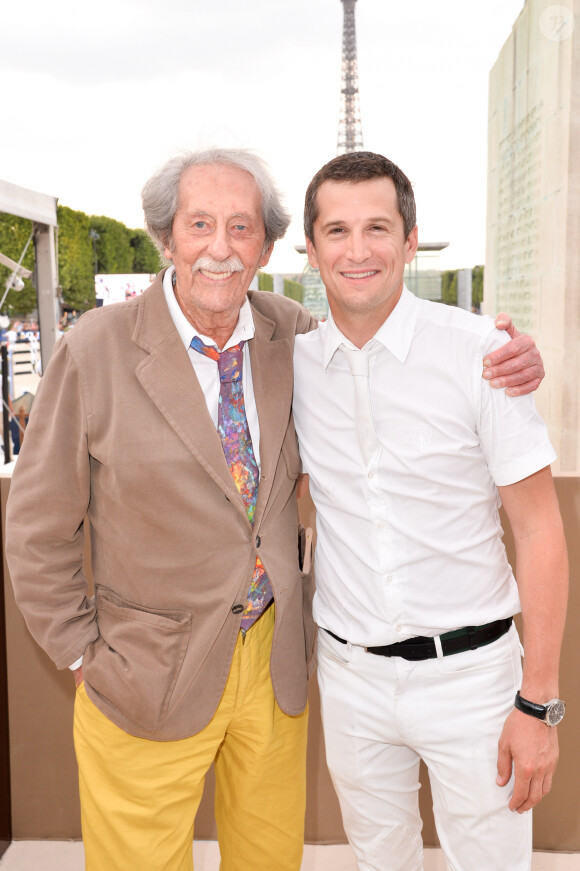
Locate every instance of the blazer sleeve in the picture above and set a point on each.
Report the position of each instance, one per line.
(48, 500)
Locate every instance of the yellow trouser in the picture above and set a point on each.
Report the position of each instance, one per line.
(139, 797)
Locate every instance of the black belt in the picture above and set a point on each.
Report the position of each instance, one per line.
(423, 647)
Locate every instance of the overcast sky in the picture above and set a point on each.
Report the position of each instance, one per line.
(95, 96)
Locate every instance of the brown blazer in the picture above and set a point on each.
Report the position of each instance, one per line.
(120, 432)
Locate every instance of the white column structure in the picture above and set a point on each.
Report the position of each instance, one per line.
(464, 298)
(41, 210)
(532, 264)
(46, 290)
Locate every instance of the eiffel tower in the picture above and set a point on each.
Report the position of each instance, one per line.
(349, 124)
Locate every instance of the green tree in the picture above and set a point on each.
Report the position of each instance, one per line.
(265, 281)
(294, 290)
(14, 234)
(113, 247)
(86, 245)
(449, 287)
(477, 286)
(75, 259)
(145, 255)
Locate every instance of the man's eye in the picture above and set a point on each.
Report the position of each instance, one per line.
(337, 230)
(240, 228)
(200, 225)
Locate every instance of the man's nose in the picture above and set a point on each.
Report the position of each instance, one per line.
(219, 245)
(358, 247)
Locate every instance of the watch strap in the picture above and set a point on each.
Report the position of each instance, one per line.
(551, 713)
(531, 708)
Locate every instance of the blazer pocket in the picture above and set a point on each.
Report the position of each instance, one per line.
(137, 658)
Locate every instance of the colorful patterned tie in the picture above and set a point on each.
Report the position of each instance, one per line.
(234, 432)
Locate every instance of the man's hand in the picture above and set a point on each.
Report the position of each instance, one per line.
(78, 673)
(518, 365)
(533, 748)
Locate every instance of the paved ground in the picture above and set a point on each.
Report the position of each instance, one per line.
(68, 856)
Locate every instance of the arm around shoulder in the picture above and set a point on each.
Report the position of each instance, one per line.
(518, 365)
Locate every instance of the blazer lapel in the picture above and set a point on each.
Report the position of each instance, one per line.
(273, 380)
(167, 376)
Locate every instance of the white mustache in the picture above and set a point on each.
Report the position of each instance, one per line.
(230, 264)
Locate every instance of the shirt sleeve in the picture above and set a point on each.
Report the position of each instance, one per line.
(513, 436)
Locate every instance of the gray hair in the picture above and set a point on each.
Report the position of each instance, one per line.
(160, 196)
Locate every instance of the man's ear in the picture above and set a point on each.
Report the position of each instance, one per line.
(411, 244)
(266, 256)
(311, 251)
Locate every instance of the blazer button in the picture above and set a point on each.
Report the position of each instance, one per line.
(237, 609)
(258, 541)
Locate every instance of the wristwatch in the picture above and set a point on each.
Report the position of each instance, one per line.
(551, 713)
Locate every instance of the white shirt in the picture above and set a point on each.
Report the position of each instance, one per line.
(409, 538)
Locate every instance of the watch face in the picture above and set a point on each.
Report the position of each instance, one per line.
(555, 712)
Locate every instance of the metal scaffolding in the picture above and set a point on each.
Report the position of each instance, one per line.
(41, 210)
(349, 124)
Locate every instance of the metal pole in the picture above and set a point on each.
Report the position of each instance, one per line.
(46, 284)
(5, 413)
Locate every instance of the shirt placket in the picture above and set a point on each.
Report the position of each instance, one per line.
(370, 452)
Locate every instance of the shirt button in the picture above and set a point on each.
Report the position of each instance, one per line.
(380, 524)
(398, 628)
(371, 475)
(237, 609)
(389, 579)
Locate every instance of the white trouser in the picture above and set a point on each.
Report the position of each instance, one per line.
(382, 714)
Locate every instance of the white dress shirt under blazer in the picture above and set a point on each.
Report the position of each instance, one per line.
(206, 369)
(409, 537)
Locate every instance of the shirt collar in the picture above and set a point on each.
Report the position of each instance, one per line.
(395, 334)
(243, 331)
(333, 339)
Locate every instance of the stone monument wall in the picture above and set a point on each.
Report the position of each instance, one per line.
(533, 210)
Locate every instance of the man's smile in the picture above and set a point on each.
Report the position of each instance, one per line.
(366, 274)
(215, 276)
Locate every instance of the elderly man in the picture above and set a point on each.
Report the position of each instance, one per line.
(187, 659)
(418, 657)
(166, 421)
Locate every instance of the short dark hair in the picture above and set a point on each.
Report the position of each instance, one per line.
(354, 167)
